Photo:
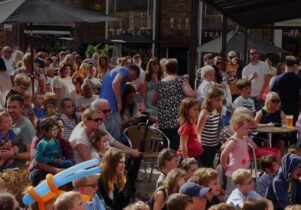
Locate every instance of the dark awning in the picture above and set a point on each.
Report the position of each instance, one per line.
(254, 13)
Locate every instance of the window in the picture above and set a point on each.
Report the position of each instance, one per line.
(172, 22)
(131, 21)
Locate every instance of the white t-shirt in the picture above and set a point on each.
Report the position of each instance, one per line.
(65, 85)
(242, 102)
(9, 66)
(81, 103)
(262, 69)
(203, 89)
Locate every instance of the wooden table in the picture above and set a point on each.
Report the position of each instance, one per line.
(272, 129)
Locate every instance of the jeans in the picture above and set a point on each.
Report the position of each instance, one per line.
(113, 125)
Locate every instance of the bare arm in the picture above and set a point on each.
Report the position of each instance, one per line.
(267, 78)
(202, 119)
(183, 145)
(116, 85)
(83, 152)
(127, 150)
(47, 168)
(225, 154)
(258, 116)
(283, 116)
(187, 89)
(24, 155)
(158, 200)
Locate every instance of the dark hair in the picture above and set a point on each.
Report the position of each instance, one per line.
(208, 56)
(253, 48)
(211, 94)
(171, 65)
(16, 97)
(267, 161)
(135, 68)
(129, 88)
(95, 137)
(178, 201)
(165, 154)
(149, 69)
(47, 124)
(243, 83)
(187, 162)
(255, 204)
(7, 201)
(279, 67)
(62, 105)
(290, 60)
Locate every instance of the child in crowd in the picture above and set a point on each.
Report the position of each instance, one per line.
(286, 186)
(8, 201)
(190, 165)
(244, 182)
(208, 125)
(270, 166)
(222, 206)
(190, 144)
(208, 75)
(69, 201)
(208, 177)
(244, 87)
(38, 103)
(100, 141)
(236, 155)
(255, 204)
(174, 180)
(179, 201)
(6, 140)
(293, 149)
(167, 160)
(139, 205)
(88, 186)
(48, 149)
(50, 74)
(28, 110)
(84, 101)
(69, 116)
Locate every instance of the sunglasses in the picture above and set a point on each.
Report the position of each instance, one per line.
(98, 120)
(275, 101)
(106, 111)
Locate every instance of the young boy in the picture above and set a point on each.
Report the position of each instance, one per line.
(168, 159)
(285, 189)
(244, 87)
(69, 201)
(208, 75)
(208, 177)
(270, 166)
(88, 186)
(38, 102)
(244, 182)
(179, 201)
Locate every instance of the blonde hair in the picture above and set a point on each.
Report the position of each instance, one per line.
(185, 106)
(4, 114)
(108, 175)
(205, 175)
(18, 55)
(269, 98)
(87, 114)
(239, 117)
(65, 200)
(293, 207)
(206, 69)
(173, 176)
(84, 180)
(139, 205)
(240, 175)
(22, 79)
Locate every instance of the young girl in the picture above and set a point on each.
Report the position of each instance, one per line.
(236, 149)
(100, 141)
(69, 116)
(208, 125)
(48, 149)
(6, 140)
(190, 144)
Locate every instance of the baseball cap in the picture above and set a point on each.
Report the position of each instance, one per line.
(193, 189)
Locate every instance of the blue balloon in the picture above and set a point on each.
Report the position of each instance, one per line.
(75, 172)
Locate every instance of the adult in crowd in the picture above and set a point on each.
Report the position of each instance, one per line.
(139, 83)
(5, 83)
(171, 90)
(62, 84)
(112, 184)
(288, 85)
(79, 139)
(23, 131)
(103, 66)
(259, 74)
(233, 70)
(7, 56)
(84, 101)
(112, 89)
(152, 77)
(273, 70)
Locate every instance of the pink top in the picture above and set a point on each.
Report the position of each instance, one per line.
(239, 157)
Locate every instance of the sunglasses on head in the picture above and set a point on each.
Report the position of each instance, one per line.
(275, 101)
(99, 120)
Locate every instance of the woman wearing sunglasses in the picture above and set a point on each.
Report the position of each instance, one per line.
(79, 139)
(271, 113)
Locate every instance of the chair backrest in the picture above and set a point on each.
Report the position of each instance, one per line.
(155, 140)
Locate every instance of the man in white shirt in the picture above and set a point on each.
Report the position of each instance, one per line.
(8, 60)
(140, 81)
(258, 73)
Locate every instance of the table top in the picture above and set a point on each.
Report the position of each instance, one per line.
(273, 129)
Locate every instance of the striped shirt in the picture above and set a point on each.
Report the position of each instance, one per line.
(209, 133)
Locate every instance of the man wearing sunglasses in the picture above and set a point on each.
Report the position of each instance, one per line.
(288, 86)
(259, 74)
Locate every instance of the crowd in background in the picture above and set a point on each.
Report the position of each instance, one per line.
(58, 110)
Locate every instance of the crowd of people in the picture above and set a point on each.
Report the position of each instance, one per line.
(58, 110)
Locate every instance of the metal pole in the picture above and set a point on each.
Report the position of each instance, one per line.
(107, 22)
(154, 27)
(200, 32)
(246, 46)
(32, 57)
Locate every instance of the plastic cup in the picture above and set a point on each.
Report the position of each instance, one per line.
(289, 122)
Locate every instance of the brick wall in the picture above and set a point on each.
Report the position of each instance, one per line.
(8, 37)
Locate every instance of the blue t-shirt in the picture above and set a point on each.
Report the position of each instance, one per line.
(8, 137)
(107, 92)
(40, 113)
